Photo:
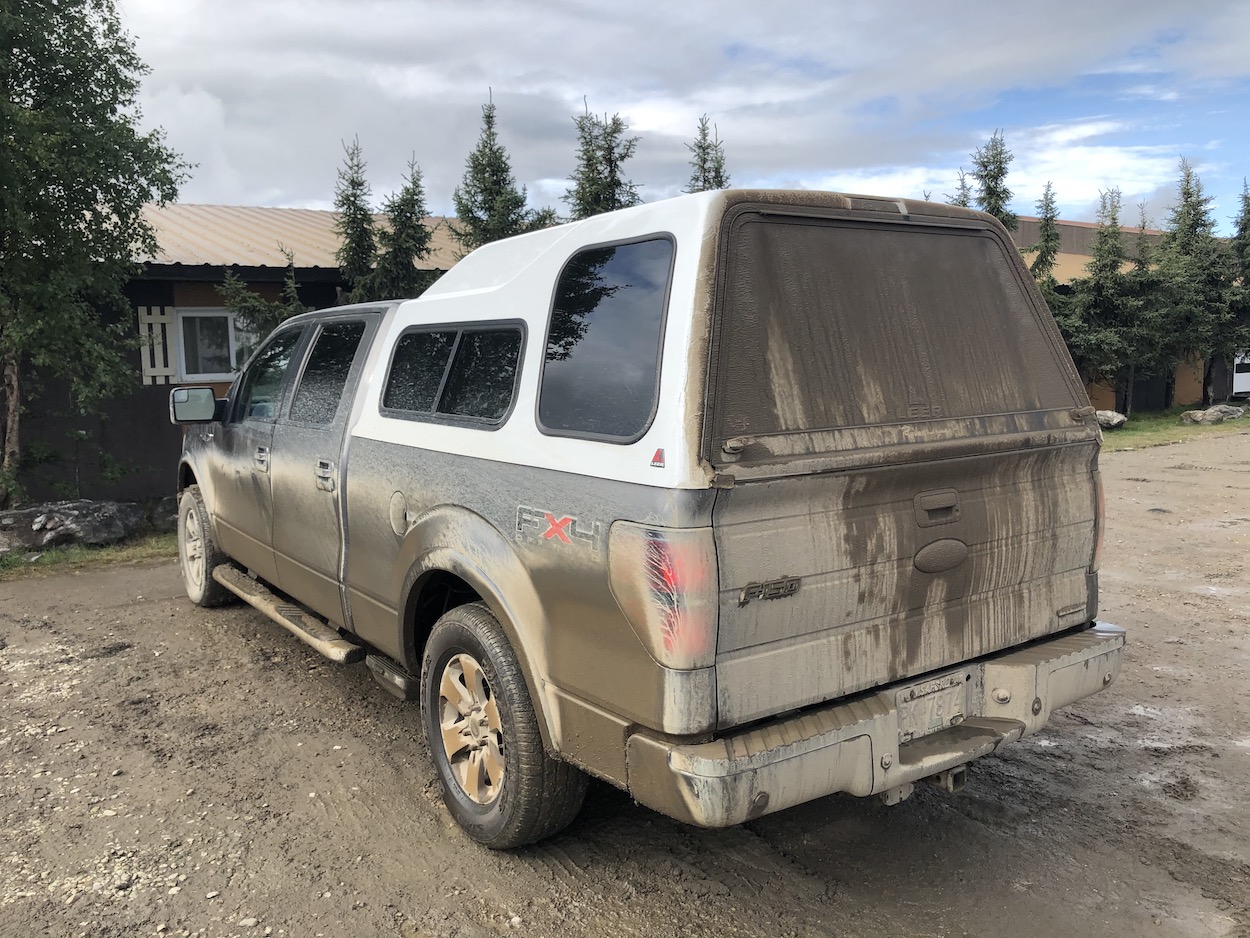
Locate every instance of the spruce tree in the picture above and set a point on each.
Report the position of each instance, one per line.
(1196, 278)
(599, 183)
(403, 242)
(1239, 245)
(489, 205)
(1047, 246)
(990, 163)
(254, 314)
(707, 160)
(963, 192)
(354, 226)
(1100, 324)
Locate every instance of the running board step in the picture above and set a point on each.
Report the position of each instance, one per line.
(297, 620)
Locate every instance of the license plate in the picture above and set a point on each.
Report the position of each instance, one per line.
(931, 706)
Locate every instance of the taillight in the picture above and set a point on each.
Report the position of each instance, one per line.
(664, 580)
(1100, 520)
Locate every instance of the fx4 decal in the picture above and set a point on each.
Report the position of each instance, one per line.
(550, 527)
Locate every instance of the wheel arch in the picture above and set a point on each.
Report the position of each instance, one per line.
(466, 559)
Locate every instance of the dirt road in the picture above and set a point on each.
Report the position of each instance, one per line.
(166, 770)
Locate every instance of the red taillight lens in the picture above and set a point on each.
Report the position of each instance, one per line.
(1100, 521)
(664, 580)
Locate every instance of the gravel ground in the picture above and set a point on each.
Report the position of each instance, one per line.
(169, 770)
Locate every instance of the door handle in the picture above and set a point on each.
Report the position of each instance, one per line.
(261, 458)
(325, 475)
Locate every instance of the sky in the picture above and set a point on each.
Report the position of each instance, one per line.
(886, 98)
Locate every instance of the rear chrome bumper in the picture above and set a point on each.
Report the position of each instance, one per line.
(877, 742)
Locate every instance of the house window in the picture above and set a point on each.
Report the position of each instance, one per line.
(211, 346)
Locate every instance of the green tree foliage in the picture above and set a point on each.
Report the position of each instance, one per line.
(599, 184)
(489, 204)
(963, 192)
(1239, 245)
(256, 315)
(990, 163)
(404, 242)
(75, 173)
(707, 160)
(358, 247)
(1046, 252)
(1195, 275)
(1104, 326)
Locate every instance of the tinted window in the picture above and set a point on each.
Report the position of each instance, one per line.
(417, 371)
(603, 344)
(482, 374)
(827, 325)
(457, 373)
(262, 382)
(325, 376)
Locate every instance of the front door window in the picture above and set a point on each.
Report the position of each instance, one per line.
(259, 394)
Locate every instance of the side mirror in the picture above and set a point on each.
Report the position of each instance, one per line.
(193, 405)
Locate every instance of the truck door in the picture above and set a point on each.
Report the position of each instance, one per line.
(305, 463)
(243, 511)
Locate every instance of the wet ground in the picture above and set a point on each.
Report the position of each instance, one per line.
(169, 770)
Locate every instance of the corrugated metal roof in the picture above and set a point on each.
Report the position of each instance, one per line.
(254, 236)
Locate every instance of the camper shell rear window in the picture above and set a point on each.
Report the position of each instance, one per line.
(831, 324)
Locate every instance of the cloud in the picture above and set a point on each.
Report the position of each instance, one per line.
(888, 97)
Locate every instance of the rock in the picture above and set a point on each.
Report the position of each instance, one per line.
(1110, 419)
(163, 515)
(72, 522)
(1216, 414)
(248, 922)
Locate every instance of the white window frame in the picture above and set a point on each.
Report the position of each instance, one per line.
(189, 312)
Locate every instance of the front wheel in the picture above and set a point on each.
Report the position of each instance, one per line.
(198, 552)
(498, 781)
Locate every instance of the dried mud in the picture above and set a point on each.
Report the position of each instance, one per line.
(169, 770)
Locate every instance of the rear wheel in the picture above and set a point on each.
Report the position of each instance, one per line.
(198, 552)
(498, 781)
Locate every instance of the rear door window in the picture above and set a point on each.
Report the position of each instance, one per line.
(324, 380)
(601, 370)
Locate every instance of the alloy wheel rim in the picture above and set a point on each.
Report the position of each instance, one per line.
(472, 733)
(193, 549)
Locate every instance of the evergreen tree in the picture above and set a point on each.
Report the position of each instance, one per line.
(489, 205)
(1047, 246)
(707, 160)
(255, 315)
(1239, 246)
(990, 163)
(1102, 326)
(404, 242)
(357, 241)
(76, 171)
(599, 184)
(963, 192)
(1196, 278)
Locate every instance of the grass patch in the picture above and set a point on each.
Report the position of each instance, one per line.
(1158, 429)
(145, 549)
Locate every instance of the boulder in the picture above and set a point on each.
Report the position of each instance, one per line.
(73, 522)
(163, 515)
(1216, 414)
(1110, 419)
(1230, 411)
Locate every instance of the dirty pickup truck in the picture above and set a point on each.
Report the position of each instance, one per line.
(734, 500)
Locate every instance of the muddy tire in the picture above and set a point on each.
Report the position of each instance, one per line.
(198, 552)
(498, 781)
